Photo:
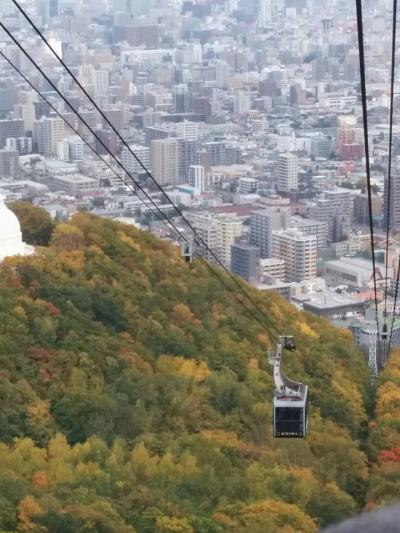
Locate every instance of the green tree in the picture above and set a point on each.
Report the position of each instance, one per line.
(36, 223)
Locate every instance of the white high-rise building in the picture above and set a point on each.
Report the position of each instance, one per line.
(130, 163)
(165, 161)
(335, 207)
(231, 229)
(54, 132)
(288, 173)
(26, 108)
(219, 232)
(101, 82)
(48, 133)
(71, 149)
(241, 102)
(49, 9)
(76, 147)
(299, 252)
(265, 13)
(222, 72)
(63, 150)
(86, 74)
(197, 178)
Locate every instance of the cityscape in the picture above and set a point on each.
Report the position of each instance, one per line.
(255, 133)
(199, 199)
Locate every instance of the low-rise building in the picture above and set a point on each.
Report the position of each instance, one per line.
(351, 247)
(333, 305)
(356, 272)
(73, 184)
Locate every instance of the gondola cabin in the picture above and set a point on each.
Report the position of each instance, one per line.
(187, 252)
(290, 415)
(290, 397)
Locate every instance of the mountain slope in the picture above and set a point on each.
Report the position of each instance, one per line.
(136, 396)
(384, 437)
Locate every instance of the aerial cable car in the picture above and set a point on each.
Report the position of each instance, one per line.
(189, 250)
(385, 334)
(290, 397)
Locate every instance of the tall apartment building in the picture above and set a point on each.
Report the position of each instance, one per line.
(288, 173)
(9, 163)
(241, 102)
(394, 208)
(49, 9)
(346, 125)
(321, 145)
(101, 82)
(219, 232)
(335, 207)
(25, 109)
(231, 229)
(165, 161)
(197, 178)
(71, 148)
(308, 226)
(245, 261)
(187, 150)
(48, 133)
(264, 13)
(220, 153)
(361, 206)
(182, 98)
(130, 163)
(109, 141)
(299, 252)
(86, 74)
(263, 222)
(38, 136)
(10, 128)
(118, 115)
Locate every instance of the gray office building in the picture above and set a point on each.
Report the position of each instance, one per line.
(321, 146)
(263, 222)
(10, 128)
(394, 207)
(245, 261)
(335, 207)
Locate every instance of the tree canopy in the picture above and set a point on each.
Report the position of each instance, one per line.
(136, 396)
(36, 223)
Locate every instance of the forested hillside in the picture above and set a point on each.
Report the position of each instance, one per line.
(384, 438)
(136, 396)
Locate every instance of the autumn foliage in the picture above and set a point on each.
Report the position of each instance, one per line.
(136, 396)
(384, 437)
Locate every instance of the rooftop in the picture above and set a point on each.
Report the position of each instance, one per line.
(76, 178)
(327, 300)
